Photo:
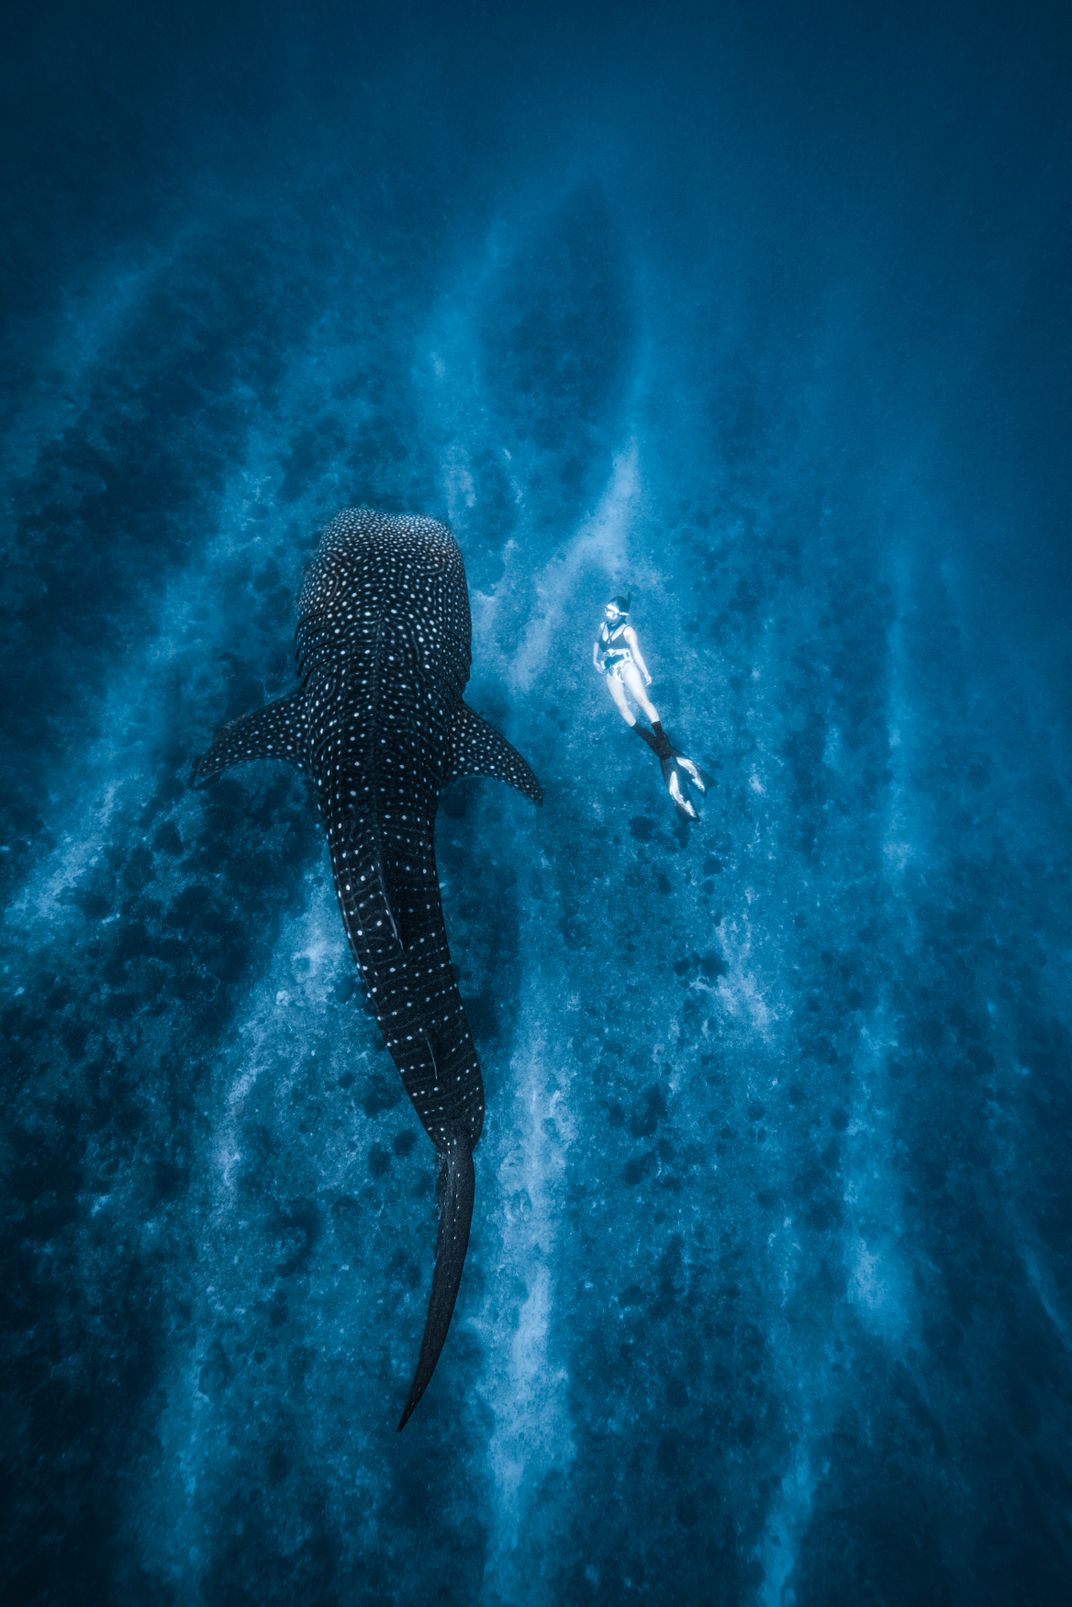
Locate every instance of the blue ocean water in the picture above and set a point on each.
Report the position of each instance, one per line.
(759, 312)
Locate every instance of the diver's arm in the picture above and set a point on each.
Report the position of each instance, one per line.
(634, 647)
(597, 661)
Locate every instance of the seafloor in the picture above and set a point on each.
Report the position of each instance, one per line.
(759, 313)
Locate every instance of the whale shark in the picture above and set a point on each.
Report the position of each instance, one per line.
(379, 725)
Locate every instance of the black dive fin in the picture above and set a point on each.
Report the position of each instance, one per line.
(672, 778)
(455, 1191)
(273, 732)
(477, 749)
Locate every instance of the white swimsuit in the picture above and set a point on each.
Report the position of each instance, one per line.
(615, 654)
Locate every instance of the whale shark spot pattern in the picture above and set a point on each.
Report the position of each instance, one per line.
(477, 749)
(273, 732)
(378, 724)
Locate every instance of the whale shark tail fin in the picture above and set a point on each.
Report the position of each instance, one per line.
(273, 732)
(455, 1192)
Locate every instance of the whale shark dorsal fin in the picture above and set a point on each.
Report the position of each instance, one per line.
(380, 873)
(362, 887)
(273, 732)
(477, 749)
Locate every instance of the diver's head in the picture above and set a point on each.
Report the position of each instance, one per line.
(616, 609)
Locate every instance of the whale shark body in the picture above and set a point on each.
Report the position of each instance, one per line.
(379, 725)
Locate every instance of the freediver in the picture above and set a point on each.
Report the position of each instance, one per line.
(616, 654)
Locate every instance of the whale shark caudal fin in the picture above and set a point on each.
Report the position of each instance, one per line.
(273, 732)
(455, 1194)
(477, 749)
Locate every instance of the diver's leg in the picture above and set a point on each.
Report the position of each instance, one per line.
(631, 677)
(675, 767)
(617, 692)
(656, 738)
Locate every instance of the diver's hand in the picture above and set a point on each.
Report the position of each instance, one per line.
(647, 680)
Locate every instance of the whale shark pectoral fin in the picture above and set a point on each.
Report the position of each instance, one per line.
(477, 749)
(273, 732)
(455, 1193)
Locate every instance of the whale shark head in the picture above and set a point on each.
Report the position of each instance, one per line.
(375, 569)
(395, 559)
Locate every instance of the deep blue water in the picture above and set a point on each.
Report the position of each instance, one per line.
(760, 311)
